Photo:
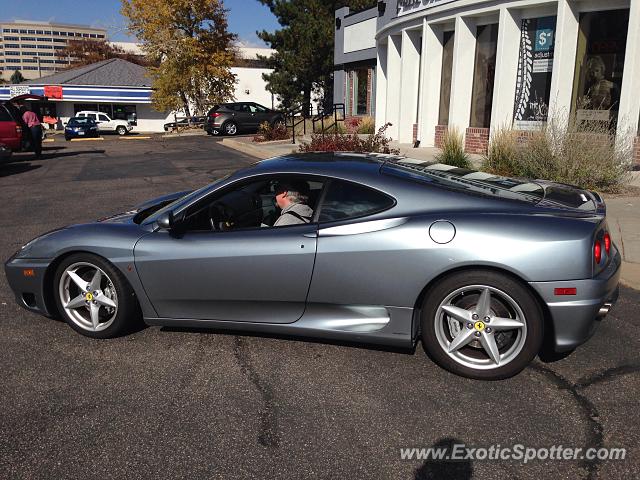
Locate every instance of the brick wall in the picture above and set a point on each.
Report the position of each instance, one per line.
(636, 152)
(440, 131)
(476, 140)
(415, 133)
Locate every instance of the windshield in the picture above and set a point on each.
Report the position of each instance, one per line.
(76, 122)
(465, 179)
(184, 200)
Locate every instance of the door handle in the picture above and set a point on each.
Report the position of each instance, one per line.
(310, 235)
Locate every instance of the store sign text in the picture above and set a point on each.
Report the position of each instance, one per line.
(405, 7)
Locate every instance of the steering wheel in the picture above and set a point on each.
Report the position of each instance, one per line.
(220, 216)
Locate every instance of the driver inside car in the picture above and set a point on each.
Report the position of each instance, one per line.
(292, 197)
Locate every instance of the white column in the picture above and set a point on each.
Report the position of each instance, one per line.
(431, 79)
(394, 77)
(564, 61)
(464, 52)
(381, 84)
(629, 113)
(409, 84)
(508, 52)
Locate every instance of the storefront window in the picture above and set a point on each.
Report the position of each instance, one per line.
(484, 75)
(360, 79)
(535, 68)
(447, 73)
(126, 112)
(602, 42)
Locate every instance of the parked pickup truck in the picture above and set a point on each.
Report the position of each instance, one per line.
(106, 124)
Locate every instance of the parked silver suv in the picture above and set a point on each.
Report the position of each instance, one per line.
(232, 118)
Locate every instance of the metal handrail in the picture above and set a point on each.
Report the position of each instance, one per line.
(302, 116)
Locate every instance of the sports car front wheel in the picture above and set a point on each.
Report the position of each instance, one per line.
(94, 297)
(481, 324)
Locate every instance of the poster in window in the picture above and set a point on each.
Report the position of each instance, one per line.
(600, 64)
(535, 69)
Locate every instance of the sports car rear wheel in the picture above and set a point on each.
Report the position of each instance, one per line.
(93, 296)
(481, 324)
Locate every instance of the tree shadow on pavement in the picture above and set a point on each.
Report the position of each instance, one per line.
(433, 469)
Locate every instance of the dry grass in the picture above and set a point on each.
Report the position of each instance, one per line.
(453, 150)
(565, 151)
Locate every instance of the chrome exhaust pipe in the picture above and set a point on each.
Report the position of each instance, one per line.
(604, 310)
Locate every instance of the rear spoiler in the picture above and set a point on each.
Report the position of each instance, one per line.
(601, 206)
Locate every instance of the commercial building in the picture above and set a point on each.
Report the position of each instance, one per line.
(32, 47)
(479, 65)
(122, 90)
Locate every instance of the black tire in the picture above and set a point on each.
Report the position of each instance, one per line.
(67, 138)
(519, 292)
(121, 130)
(230, 128)
(127, 315)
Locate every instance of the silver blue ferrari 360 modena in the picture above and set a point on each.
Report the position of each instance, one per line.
(486, 271)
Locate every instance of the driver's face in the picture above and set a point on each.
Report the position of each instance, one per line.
(281, 199)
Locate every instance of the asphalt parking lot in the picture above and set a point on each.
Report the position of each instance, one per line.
(164, 403)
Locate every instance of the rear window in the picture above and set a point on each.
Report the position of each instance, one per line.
(81, 121)
(465, 179)
(346, 200)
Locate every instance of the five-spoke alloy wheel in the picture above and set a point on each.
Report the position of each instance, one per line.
(94, 298)
(482, 324)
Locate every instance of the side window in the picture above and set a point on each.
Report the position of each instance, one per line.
(249, 205)
(348, 200)
(92, 116)
(4, 115)
(245, 108)
(258, 108)
(103, 118)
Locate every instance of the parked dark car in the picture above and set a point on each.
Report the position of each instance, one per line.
(184, 122)
(13, 131)
(232, 118)
(81, 127)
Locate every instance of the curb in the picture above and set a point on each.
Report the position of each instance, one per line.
(248, 149)
(630, 275)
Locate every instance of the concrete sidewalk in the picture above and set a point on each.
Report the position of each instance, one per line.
(623, 211)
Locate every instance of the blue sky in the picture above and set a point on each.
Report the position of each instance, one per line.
(245, 16)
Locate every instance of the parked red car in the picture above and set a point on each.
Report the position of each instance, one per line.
(12, 128)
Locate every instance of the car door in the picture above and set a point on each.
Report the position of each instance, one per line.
(257, 275)
(357, 248)
(243, 116)
(8, 132)
(104, 123)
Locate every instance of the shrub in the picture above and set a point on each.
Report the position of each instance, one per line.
(338, 142)
(352, 124)
(453, 150)
(503, 151)
(367, 126)
(565, 151)
(267, 133)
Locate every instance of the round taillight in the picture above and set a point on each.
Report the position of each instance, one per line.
(607, 242)
(597, 252)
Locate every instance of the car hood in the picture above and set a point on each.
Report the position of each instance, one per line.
(147, 207)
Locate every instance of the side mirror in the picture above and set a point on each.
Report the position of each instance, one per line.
(168, 221)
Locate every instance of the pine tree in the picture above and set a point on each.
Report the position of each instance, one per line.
(16, 77)
(303, 61)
